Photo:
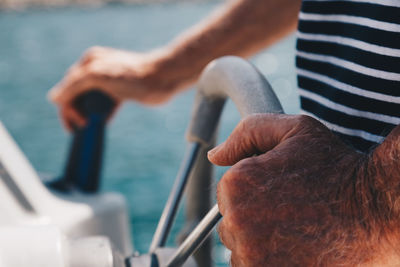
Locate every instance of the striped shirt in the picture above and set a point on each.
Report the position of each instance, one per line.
(348, 67)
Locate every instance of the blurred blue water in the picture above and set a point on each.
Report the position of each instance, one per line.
(145, 144)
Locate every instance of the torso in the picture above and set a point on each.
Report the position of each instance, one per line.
(348, 63)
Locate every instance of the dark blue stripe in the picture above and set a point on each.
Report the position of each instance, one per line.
(347, 99)
(352, 54)
(347, 76)
(366, 10)
(90, 135)
(346, 120)
(358, 32)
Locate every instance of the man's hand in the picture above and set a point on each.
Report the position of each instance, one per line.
(298, 196)
(154, 77)
(122, 75)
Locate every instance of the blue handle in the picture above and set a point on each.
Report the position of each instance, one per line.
(84, 162)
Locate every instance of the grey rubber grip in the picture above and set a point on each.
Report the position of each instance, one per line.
(234, 78)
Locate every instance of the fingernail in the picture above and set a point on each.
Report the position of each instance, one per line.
(213, 151)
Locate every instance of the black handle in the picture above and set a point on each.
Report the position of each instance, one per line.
(84, 162)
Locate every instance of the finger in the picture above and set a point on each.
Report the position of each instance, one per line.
(258, 134)
(220, 197)
(93, 52)
(65, 122)
(231, 197)
(114, 111)
(66, 91)
(236, 261)
(225, 237)
(77, 80)
(71, 118)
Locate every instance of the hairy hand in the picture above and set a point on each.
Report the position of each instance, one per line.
(297, 196)
(121, 74)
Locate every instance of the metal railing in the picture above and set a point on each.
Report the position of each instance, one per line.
(227, 77)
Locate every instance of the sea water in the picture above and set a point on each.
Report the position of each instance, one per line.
(145, 144)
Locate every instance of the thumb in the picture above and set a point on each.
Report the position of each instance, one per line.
(256, 134)
(55, 95)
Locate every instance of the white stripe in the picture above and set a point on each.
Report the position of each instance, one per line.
(392, 76)
(352, 132)
(367, 22)
(393, 3)
(347, 110)
(347, 88)
(381, 50)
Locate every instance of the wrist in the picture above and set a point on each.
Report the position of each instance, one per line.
(166, 73)
(150, 79)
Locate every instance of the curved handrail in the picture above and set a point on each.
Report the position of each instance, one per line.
(234, 78)
(226, 77)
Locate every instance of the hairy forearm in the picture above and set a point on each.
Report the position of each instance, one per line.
(377, 201)
(241, 27)
(384, 167)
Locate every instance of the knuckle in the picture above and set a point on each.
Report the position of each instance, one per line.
(91, 53)
(231, 227)
(309, 123)
(88, 55)
(94, 50)
(93, 71)
(235, 261)
(220, 199)
(90, 70)
(237, 180)
(72, 70)
(250, 121)
(305, 119)
(220, 189)
(249, 128)
(225, 235)
(234, 177)
(246, 167)
(221, 231)
(228, 190)
(234, 221)
(238, 176)
(245, 252)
